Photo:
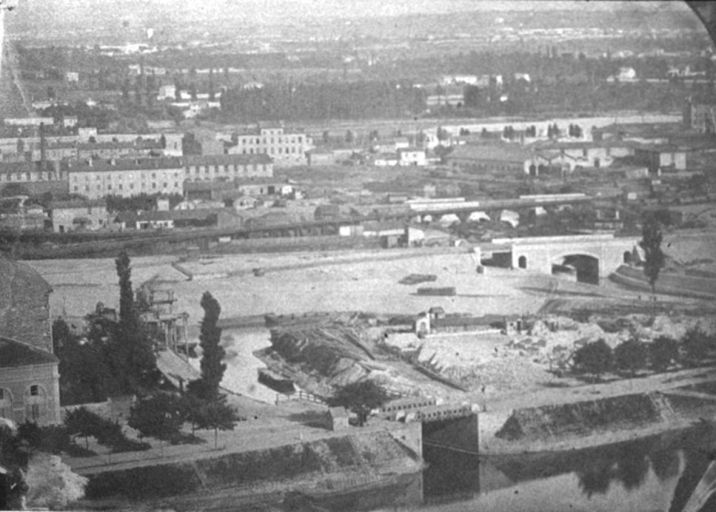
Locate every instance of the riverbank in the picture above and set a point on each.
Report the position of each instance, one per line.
(592, 423)
(355, 460)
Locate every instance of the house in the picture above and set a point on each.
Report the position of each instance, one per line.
(29, 377)
(338, 418)
(78, 214)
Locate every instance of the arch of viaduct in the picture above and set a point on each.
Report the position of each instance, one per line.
(540, 253)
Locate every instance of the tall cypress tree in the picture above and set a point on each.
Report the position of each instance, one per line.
(134, 362)
(654, 259)
(212, 368)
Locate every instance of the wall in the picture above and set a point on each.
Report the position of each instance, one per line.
(18, 381)
(541, 255)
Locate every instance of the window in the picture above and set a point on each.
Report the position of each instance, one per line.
(522, 262)
(34, 390)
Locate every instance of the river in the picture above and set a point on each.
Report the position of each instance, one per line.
(657, 473)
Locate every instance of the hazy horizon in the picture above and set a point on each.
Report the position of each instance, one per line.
(52, 14)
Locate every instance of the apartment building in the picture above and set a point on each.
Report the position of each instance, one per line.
(285, 148)
(97, 178)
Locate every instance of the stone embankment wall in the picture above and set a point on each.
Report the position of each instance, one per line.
(572, 424)
(324, 459)
(670, 284)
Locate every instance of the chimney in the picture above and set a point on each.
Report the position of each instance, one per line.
(43, 155)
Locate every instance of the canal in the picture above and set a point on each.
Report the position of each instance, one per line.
(658, 473)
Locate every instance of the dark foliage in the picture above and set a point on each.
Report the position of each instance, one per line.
(595, 358)
(360, 397)
(630, 356)
(662, 352)
(653, 255)
(212, 368)
(160, 416)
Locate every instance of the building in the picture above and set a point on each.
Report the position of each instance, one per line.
(95, 179)
(501, 157)
(285, 148)
(570, 155)
(661, 156)
(78, 214)
(412, 157)
(451, 96)
(700, 116)
(228, 167)
(34, 177)
(29, 377)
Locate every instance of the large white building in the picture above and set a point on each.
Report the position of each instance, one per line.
(285, 148)
(130, 177)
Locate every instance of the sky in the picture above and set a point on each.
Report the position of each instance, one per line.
(58, 10)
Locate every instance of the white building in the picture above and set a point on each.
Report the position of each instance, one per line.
(285, 148)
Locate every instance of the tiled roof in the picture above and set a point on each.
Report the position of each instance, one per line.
(14, 353)
(23, 304)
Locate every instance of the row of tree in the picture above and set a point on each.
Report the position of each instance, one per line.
(597, 358)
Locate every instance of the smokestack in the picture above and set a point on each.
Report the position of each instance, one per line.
(43, 155)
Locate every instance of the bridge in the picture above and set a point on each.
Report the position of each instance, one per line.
(593, 257)
(446, 426)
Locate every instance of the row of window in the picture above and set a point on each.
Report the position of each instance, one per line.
(222, 169)
(130, 186)
(271, 151)
(29, 176)
(130, 176)
(289, 140)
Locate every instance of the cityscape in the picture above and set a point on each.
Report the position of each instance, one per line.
(315, 255)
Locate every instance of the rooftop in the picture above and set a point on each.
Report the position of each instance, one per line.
(14, 353)
(124, 164)
(505, 152)
(260, 158)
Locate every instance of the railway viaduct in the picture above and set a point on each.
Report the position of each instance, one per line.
(593, 256)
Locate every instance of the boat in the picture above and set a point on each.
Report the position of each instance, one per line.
(276, 382)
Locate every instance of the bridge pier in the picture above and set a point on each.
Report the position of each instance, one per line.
(458, 434)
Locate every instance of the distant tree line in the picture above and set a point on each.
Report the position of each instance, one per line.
(340, 100)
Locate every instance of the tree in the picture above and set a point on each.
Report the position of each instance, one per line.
(160, 416)
(630, 355)
(662, 351)
(82, 422)
(360, 397)
(349, 136)
(595, 358)
(218, 415)
(212, 368)
(134, 359)
(653, 256)
(696, 344)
